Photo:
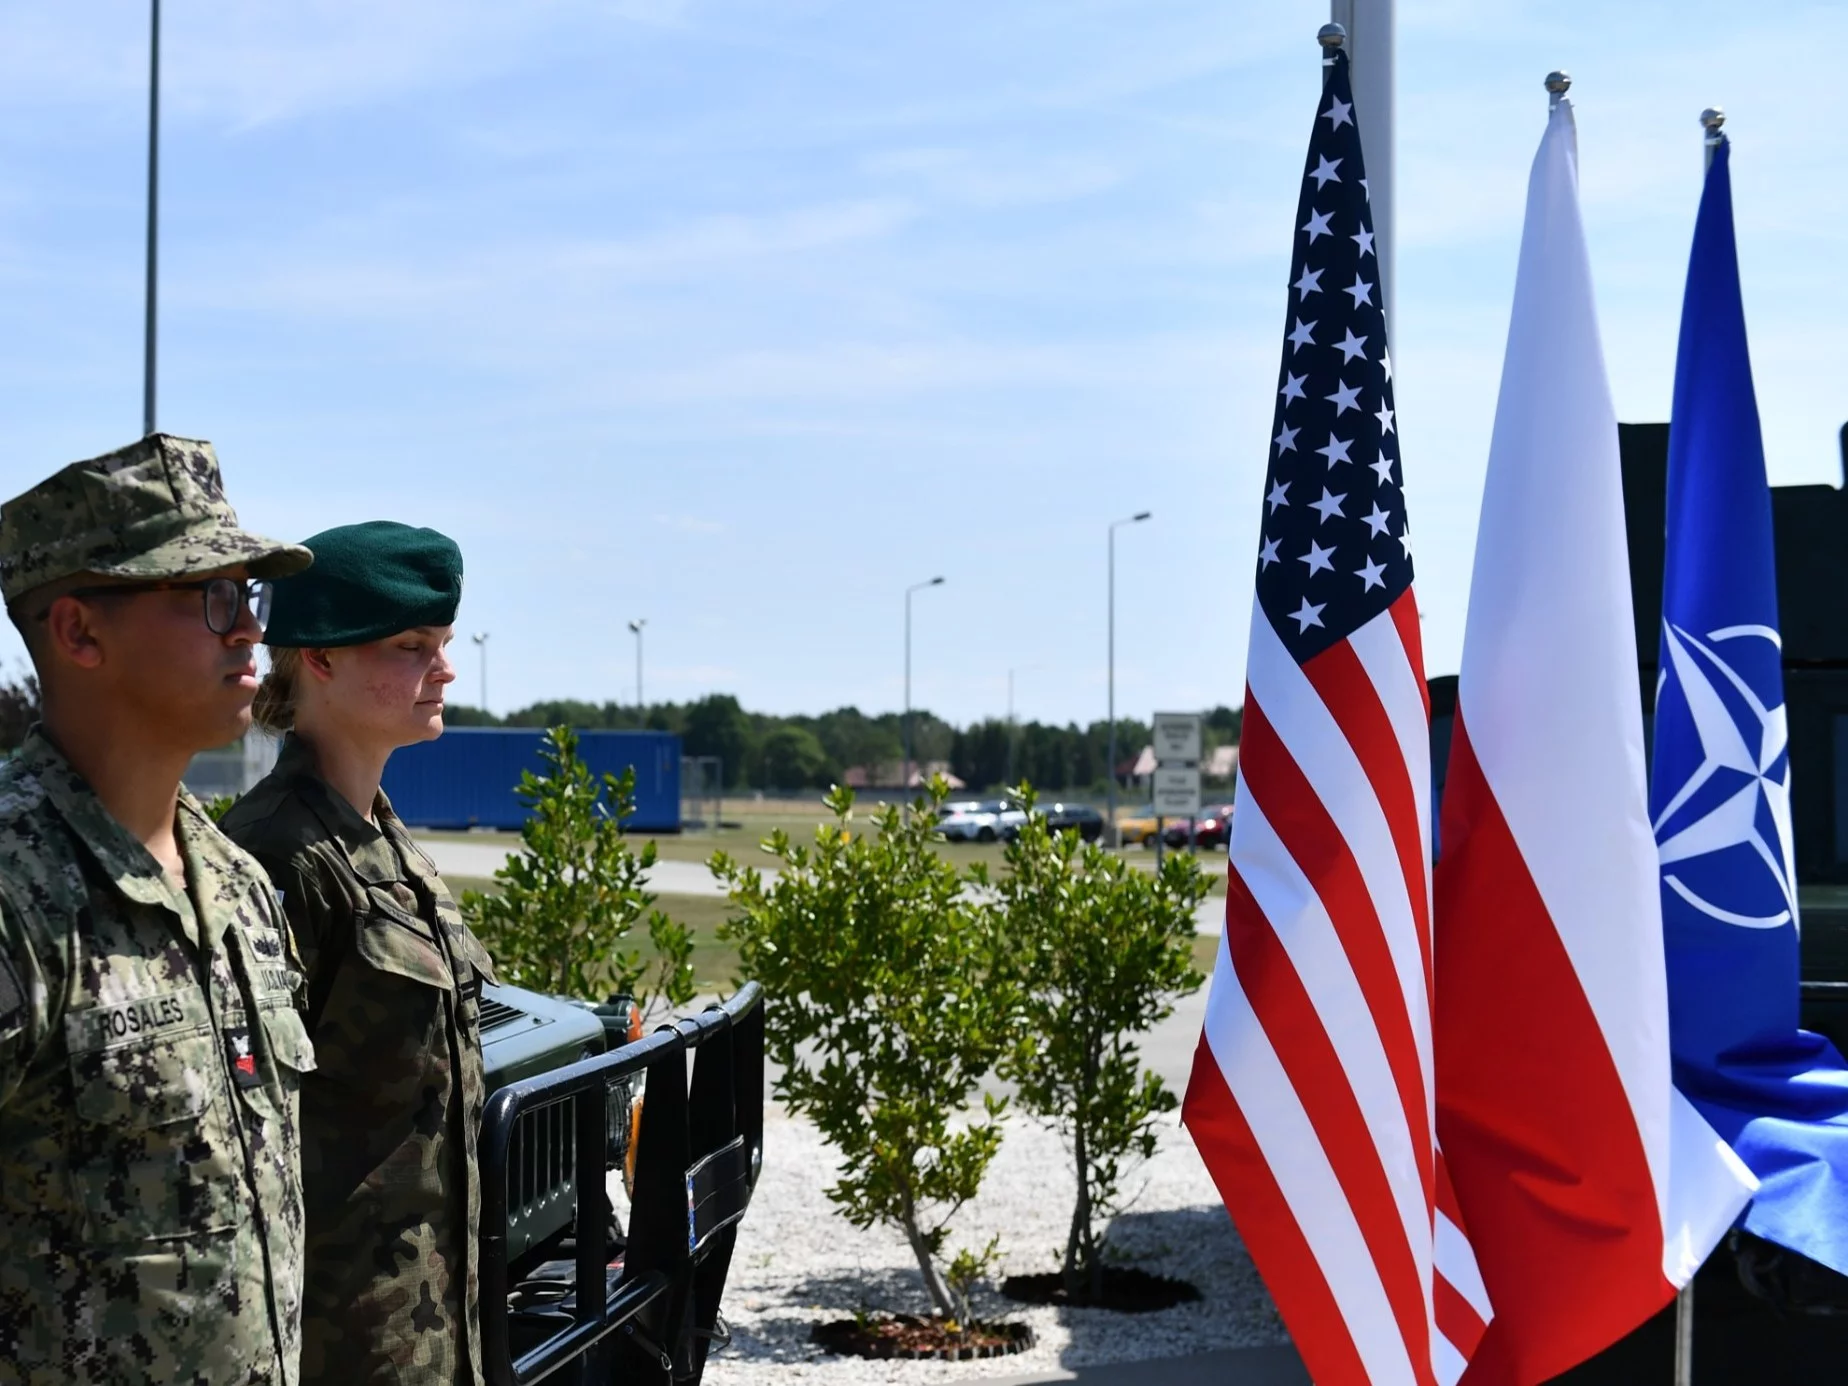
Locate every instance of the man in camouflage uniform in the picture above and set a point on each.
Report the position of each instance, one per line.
(150, 1045)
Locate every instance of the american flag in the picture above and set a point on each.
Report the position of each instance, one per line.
(1312, 1091)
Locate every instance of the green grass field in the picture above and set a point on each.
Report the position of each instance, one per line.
(751, 823)
(715, 962)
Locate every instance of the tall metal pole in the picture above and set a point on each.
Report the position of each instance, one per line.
(1010, 727)
(1371, 60)
(636, 626)
(147, 345)
(1110, 677)
(481, 643)
(905, 775)
(1711, 120)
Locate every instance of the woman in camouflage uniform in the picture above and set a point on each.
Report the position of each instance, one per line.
(389, 1122)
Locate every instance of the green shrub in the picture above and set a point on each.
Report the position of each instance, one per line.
(570, 900)
(888, 1005)
(1100, 950)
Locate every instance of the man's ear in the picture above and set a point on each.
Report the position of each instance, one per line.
(71, 634)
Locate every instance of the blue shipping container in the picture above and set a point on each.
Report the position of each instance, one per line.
(467, 776)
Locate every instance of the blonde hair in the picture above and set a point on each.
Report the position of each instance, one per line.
(274, 708)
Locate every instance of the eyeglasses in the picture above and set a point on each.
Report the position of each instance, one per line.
(225, 599)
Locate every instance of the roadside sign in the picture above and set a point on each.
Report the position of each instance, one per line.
(1177, 791)
(1177, 738)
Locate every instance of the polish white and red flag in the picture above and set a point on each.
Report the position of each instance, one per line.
(1312, 1096)
(1591, 1189)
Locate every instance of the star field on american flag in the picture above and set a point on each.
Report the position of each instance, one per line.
(1334, 552)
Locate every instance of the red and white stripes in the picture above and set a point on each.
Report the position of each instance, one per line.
(1312, 1096)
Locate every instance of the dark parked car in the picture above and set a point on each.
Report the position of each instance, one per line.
(1211, 829)
(1082, 819)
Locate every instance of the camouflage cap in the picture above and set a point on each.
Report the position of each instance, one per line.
(154, 509)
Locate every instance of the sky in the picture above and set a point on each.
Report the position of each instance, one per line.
(742, 316)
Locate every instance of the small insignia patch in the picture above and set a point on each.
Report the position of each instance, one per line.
(243, 1062)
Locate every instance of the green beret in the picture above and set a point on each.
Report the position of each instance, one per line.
(368, 581)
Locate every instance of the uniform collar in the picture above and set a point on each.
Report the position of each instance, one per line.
(130, 867)
(370, 847)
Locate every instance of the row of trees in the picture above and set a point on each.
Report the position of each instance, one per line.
(764, 751)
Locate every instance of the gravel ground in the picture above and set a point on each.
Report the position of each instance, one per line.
(799, 1263)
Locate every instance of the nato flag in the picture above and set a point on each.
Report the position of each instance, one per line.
(1720, 783)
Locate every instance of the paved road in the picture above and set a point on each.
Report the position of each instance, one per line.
(482, 859)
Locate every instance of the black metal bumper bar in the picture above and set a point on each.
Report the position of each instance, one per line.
(697, 1152)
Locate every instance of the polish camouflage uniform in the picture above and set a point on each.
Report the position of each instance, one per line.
(150, 1046)
(390, 1118)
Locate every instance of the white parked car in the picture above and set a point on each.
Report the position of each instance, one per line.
(974, 821)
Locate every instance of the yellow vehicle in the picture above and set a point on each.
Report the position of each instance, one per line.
(1137, 825)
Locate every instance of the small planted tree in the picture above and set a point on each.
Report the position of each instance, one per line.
(1100, 950)
(891, 1004)
(570, 900)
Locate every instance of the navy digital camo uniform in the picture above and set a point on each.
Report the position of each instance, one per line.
(389, 1121)
(150, 1047)
(150, 1056)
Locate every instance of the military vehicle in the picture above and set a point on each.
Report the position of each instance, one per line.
(569, 1085)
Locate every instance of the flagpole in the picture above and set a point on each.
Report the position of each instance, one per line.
(148, 331)
(1367, 26)
(1711, 120)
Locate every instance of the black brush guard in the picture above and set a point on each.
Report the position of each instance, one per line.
(650, 1315)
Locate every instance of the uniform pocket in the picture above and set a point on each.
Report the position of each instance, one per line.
(290, 1055)
(389, 938)
(154, 1154)
(288, 1039)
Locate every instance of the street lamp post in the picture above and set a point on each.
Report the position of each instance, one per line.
(1010, 728)
(480, 638)
(1013, 727)
(915, 587)
(1115, 525)
(636, 626)
(148, 338)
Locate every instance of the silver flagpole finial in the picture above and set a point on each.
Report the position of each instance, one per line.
(1711, 120)
(1331, 37)
(1557, 85)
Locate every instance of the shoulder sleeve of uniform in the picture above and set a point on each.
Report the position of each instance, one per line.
(22, 999)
